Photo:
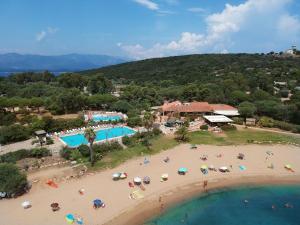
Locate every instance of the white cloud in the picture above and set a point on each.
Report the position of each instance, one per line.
(288, 26)
(147, 3)
(44, 33)
(172, 2)
(196, 10)
(255, 18)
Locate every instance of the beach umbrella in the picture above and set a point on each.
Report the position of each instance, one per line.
(204, 167)
(288, 166)
(116, 176)
(182, 170)
(70, 218)
(123, 175)
(223, 169)
(165, 176)
(97, 202)
(146, 180)
(211, 167)
(137, 180)
(26, 205)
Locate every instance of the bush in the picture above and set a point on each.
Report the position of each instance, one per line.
(84, 150)
(228, 127)
(156, 131)
(266, 122)
(238, 120)
(129, 141)
(13, 133)
(13, 157)
(75, 155)
(65, 153)
(12, 181)
(7, 118)
(49, 141)
(39, 152)
(107, 147)
(204, 127)
(285, 126)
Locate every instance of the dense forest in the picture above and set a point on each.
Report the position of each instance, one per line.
(268, 84)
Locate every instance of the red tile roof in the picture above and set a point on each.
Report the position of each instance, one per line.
(187, 107)
(221, 107)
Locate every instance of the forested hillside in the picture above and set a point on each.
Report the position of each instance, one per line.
(265, 86)
(204, 68)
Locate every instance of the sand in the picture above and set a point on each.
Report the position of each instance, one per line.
(120, 209)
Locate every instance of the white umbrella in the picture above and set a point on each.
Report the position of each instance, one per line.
(26, 205)
(223, 168)
(137, 180)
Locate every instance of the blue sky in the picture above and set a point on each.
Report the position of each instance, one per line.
(148, 28)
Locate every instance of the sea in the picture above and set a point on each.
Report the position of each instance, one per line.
(265, 205)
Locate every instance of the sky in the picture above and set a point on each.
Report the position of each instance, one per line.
(140, 29)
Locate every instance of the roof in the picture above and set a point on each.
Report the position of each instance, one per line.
(40, 132)
(187, 107)
(223, 107)
(218, 119)
(227, 112)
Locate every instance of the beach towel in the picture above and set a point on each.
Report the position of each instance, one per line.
(51, 183)
(242, 168)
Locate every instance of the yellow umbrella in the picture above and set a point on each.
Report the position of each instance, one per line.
(288, 166)
(204, 167)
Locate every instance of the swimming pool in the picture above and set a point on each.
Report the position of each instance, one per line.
(105, 118)
(101, 135)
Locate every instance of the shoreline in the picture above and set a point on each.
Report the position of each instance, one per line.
(150, 207)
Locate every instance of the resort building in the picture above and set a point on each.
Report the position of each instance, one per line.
(197, 108)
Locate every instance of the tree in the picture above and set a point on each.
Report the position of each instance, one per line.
(13, 133)
(12, 182)
(246, 109)
(90, 135)
(36, 103)
(182, 134)
(148, 120)
(99, 84)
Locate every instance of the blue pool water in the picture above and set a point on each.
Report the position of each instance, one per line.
(103, 134)
(227, 207)
(105, 118)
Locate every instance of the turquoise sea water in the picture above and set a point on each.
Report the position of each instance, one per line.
(103, 134)
(99, 118)
(227, 207)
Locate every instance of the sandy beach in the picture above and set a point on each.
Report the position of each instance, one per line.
(120, 209)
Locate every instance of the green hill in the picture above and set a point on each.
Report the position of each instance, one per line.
(203, 68)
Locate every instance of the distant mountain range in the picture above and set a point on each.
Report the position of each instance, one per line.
(13, 62)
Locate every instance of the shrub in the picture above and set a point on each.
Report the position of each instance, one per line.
(238, 120)
(285, 126)
(13, 157)
(75, 155)
(266, 122)
(128, 141)
(228, 127)
(204, 127)
(49, 141)
(84, 150)
(65, 153)
(107, 147)
(12, 181)
(156, 131)
(7, 118)
(39, 152)
(13, 133)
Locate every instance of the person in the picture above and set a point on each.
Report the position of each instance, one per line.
(273, 207)
(288, 205)
(246, 201)
(161, 207)
(159, 199)
(205, 183)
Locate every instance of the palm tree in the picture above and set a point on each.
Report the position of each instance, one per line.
(182, 134)
(90, 135)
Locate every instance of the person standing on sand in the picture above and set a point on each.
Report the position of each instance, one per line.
(205, 183)
(159, 199)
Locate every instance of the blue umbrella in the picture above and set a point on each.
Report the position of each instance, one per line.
(182, 170)
(98, 202)
(70, 218)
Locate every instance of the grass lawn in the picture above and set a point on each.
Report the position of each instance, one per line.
(162, 143)
(241, 137)
(114, 159)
